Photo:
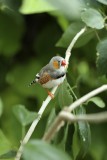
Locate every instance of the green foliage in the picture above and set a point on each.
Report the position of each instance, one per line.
(43, 151)
(102, 1)
(11, 32)
(98, 101)
(102, 56)
(38, 6)
(81, 137)
(8, 155)
(93, 18)
(1, 107)
(71, 9)
(23, 115)
(64, 89)
(5, 145)
(32, 32)
(71, 31)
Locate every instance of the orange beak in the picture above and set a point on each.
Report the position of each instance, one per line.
(63, 63)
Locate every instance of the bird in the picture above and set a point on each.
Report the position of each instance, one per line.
(51, 75)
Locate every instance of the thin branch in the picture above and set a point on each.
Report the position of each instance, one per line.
(69, 117)
(33, 125)
(97, 35)
(68, 51)
(80, 101)
(48, 99)
(57, 123)
(92, 118)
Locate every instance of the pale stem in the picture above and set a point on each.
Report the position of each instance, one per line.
(48, 99)
(92, 118)
(68, 51)
(33, 125)
(86, 97)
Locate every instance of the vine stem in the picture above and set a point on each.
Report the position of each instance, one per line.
(59, 121)
(48, 99)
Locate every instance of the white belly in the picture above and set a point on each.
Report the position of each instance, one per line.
(54, 83)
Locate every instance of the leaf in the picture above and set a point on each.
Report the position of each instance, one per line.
(71, 31)
(5, 145)
(11, 32)
(35, 6)
(103, 1)
(8, 155)
(93, 18)
(102, 56)
(64, 95)
(23, 115)
(1, 107)
(81, 138)
(71, 9)
(43, 151)
(98, 101)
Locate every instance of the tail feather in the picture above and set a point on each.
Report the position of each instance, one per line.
(34, 81)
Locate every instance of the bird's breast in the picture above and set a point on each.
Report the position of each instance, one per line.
(54, 82)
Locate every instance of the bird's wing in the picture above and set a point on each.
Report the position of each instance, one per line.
(44, 78)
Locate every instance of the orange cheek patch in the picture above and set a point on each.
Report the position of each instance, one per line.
(56, 64)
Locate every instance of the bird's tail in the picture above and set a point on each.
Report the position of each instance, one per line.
(34, 81)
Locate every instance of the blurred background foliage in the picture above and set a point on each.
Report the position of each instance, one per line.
(32, 32)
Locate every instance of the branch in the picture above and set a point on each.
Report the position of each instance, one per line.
(92, 118)
(48, 99)
(58, 121)
(69, 117)
(68, 51)
(33, 125)
(86, 97)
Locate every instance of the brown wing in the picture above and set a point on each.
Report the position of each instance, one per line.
(44, 78)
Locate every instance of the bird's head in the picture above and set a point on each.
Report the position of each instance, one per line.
(57, 62)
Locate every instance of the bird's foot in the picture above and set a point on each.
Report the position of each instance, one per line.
(51, 95)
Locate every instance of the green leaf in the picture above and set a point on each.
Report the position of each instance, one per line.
(81, 138)
(93, 18)
(103, 1)
(43, 151)
(35, 6)
(98, 101)
(23, 115)
(5, 145)
(71, 9)
(1, 107)
(11, 32)
(71, 31)
(8, 155)
(64, 94)
(102, 56)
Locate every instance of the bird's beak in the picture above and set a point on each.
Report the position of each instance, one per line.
(63, 63)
